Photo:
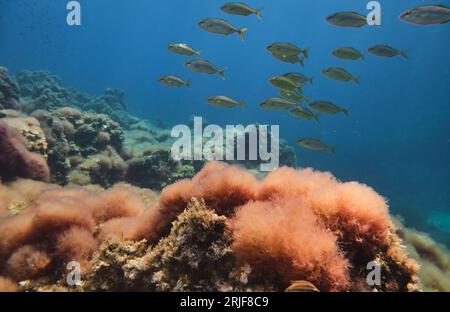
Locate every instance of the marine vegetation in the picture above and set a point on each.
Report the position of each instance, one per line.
(222, 230)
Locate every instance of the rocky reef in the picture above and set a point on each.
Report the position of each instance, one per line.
(224, 230)
(80, 179)
(94, 140)
(86, 139)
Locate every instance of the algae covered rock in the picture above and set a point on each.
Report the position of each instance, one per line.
(195, 256)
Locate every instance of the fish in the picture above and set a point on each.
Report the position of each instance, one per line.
(290, 59)
(327, 108)
(240, 8)
(183, 49)
(293, 96)
(316, 145)
(347, 19)
(339, 74)
(303, 113)
(299, 78)
(302, 286)
(221, 27)
(276, 104)
(286, 49)
(386, 51)
(348, 53)
(174, 81)
(284, 83)
(225, 102)
(427, 15)
(204, 67)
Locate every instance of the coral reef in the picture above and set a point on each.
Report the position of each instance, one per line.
(222, 230)
(16, 160)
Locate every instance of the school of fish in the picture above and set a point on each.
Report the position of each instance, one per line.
(290, 85)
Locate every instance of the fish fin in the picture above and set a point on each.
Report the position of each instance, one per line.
(222, 73)
(356, 80)
(188, 83)
(241, 32)
(258, 13)
(317, 117)
(404, 54)
(345, 111)
(242, 104)
(306, 52)
(302, 62)
(333, 150)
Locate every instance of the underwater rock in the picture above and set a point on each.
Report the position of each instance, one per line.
(16, 160)
(195, 256)
(222, 230)
(71, 133)
(42, 90)
(31, 130)
(60, 225)
(434, 258)
(156, 169)
(9, 92)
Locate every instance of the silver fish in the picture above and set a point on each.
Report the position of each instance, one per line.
(427, 15)
(293, 96)
(347, 19)
(221, 27)
(386, 51)
(299, 78)
(240, 8)
(276, 104)
(225, 102)
(315, 145)
(286, 49)
(174, 81)
(348, 53)
(303, 113)
(290, 59)
(327, 108)
(183, 49)
(339, 74)
(204, 67)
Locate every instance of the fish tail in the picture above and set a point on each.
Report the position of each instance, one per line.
(363, 57)
(241, 32)
(404, 54)
(302, 62)
(199, 54)
(345, 111)
(333, 150)
(188, 83)
(306, 52)
(317, 117)
(242, 104)
(311, 80)
(222, 73)
(356, 80)
(306, 100)
(258, 13)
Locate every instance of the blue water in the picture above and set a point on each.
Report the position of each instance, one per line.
(397, 138)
